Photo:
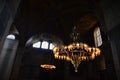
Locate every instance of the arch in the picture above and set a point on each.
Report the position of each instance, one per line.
(44, 41)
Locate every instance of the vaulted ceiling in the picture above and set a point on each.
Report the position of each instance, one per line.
(55, 17)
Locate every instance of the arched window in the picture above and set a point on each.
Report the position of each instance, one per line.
(11, 36)
(45, 45)
(37, 44)
(97, 37)
(51, 46)
(44, 41)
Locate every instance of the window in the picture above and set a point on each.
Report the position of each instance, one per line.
(97, 37)
(36, 45)
(44, 45)
(11, 36)
(51, 46)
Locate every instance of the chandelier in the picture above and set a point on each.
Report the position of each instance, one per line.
(76, 52)
(48, 66)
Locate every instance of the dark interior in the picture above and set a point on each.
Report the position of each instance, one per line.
(29, 19)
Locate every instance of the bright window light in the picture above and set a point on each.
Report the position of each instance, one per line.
(51, 46)
(11, 36)
(44, 45)
(36, 45)
(97, 37)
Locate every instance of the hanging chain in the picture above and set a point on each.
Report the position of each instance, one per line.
(74, 36)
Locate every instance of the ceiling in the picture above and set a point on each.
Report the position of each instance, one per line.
(55, 17)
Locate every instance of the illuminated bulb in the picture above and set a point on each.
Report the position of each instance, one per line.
(92, 56)
(89, 49)
(65, 47)
(77, 45)
(85, 45)
(69, 47)
(84, 58)
(93, 49)
(68, 58)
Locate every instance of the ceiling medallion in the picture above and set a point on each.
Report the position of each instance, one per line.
(76, 52)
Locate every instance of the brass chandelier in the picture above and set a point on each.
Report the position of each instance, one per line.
(76, 52)
(47, 66)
